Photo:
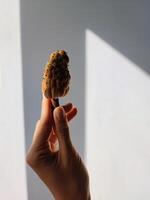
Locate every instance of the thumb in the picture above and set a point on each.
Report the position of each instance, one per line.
(62, 131)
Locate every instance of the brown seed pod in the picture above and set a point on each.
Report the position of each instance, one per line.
(56, 76)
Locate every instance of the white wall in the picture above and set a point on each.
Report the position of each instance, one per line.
(12, 147)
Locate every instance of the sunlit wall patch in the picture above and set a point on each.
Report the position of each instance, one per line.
(12, 143)
(117, 122)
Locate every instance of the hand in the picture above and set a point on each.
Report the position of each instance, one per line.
(53, 157)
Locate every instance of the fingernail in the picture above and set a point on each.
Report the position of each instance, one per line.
(59, 113)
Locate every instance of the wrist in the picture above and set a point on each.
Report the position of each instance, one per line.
(75, 197)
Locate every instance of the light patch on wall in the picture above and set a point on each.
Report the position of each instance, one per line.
(117, 123)
(12, 144)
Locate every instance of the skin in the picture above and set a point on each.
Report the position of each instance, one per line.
(53, 157)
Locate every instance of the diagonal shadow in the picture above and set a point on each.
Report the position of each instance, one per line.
(48, 25)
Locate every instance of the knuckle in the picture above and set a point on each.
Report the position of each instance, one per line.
(63, 128)
(28, 159)
(31, 159)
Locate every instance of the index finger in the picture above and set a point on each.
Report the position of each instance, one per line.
(46, 109)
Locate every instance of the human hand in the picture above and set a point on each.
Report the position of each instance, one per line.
(59, 166)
